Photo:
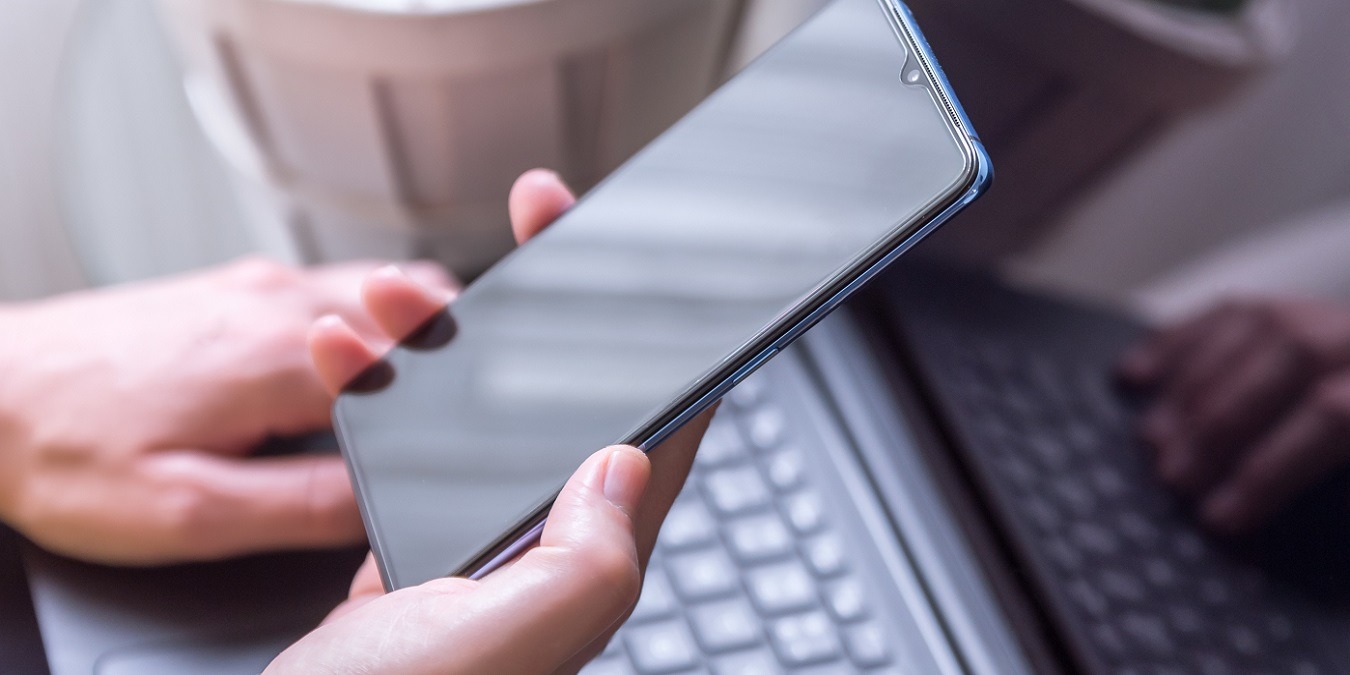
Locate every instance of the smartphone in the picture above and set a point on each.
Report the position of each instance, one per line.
(695, 262)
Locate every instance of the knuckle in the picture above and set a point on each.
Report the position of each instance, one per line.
(183, 515)
(447, 587)
(263, 273)
(614, 569)
(330, 512)
(289, 344)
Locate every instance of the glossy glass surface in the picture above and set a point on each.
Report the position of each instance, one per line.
(816, 160)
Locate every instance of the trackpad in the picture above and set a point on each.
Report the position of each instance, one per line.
(226, 617)
(206, 658)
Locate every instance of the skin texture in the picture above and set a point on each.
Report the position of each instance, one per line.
(1251, 405)
(128, 415)
(556, 606)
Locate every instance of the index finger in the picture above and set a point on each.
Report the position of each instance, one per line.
(1148, 361)
(538, 197)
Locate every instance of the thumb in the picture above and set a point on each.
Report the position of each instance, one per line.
(583, 577)
(531, 617)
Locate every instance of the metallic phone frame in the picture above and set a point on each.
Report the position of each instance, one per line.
(787, 328)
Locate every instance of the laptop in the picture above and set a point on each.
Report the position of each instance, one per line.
(999, 408)
(778, 556)
(942, 479)
(1044, 445)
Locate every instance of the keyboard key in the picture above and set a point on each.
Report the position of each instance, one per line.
(758, 662)
(1243, 640)
(1188, 546)
(867, 645)
(1121, 585)
(1279, 628)
(688, 525)
(664, 647)
(608, 666)
(1063, 554)
(1212, 663)
(1109, 640)
(765, 428)
(759, 538)
(1185, 620)
(836, 668)
(780, 588)
(747, 394)
(1215, 592)
(702, 575)
(1094, 539)
(1307, 668)
(722, 445)
(1108, 482)
(785, 469)
(847, 600)
(1088, 598)
(805, 639)
(1139, 529)
(1043, 514)
(1076, 497)
(825, 555)
(1049, 451)
(737, 490)
(657, 600)
(1160, 572)
(1083, 438)
(1021, 472)
(1150, 633)
(727, 625)
(804, 511)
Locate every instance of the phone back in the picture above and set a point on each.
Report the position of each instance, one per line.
(704, 252)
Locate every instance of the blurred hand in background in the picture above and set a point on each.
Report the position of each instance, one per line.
(1250, 405)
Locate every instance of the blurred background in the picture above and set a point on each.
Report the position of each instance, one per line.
(1135, 140)
(1153, 153)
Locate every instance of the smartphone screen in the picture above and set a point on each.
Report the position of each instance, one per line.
(824, 154)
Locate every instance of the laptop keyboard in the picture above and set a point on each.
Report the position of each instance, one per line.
(1135, 585)
(751, 574)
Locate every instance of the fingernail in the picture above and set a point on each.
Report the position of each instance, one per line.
(328, 321)
(390, 270)
(625, 479)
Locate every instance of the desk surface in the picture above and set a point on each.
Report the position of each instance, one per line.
(20, 641)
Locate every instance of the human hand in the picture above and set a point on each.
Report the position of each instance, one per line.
(128, 414)
(1252, 405)
(556, 606)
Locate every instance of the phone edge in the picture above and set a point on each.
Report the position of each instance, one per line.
(979, 175)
